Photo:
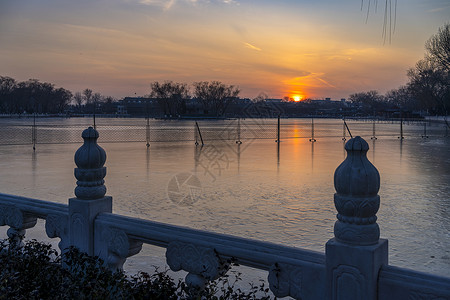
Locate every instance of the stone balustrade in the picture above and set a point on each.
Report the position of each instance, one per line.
(354, 265)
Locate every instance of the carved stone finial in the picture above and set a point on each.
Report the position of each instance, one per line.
(90, 158)
(357, 182)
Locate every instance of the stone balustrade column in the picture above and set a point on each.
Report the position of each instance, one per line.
(356, 253)
(90, 192)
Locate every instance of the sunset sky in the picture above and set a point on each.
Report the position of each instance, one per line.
(318, 49)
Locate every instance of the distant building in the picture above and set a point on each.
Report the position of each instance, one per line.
(274, 100)
(139, 106)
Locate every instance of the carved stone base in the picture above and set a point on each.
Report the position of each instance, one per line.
(352, 271)
(81, 221)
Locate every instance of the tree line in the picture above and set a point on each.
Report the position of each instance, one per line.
(214, 96)
(31, 96)
(428, 88)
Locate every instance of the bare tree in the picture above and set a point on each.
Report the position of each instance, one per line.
(370, 100)
(87, 93)
(78, 99)
(262, 97)
(7, 87)
(402, 98)
(215, 95)
(431, 86)
(170, 96)
(438, 48)
(96, 99)
(429, 81)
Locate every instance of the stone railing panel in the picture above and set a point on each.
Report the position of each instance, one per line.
(397, 283)
(291, 271)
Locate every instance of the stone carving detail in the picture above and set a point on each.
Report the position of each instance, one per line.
(17, 220)
(77, 227)
(120, 246)
(347, 279)
(195, 260)
(357, 182)
(56, 225)
(90, 158)
(285, 280)
(14, 217)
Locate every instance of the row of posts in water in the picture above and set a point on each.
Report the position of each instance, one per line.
(345, 131)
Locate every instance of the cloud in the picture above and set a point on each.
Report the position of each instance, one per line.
(168, 4)
(250, 46)
(281, 70)
(309, 80)
(439, 9)
(165, 4)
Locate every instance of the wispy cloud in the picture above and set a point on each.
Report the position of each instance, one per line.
(168, 4)
(250, 46)
(310, 80)
(439, 9)
(165, 4)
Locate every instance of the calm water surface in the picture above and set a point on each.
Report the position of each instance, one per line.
(279, 193)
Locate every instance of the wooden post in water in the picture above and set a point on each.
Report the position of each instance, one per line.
(34, 132)
(446, 127)
(312, 139)
(343, 131)
(401, 129)
(199, 134)
(424, 130)
(278, 131)
(147, 132)
(373, 130)
(238, 140)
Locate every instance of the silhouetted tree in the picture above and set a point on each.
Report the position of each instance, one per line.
(171, 96)
(108, 105)
(438, 48)
(371, 100)
(430, 84)
(61, 98)
(78, 99)
(215, 95)
(32, 96)
(403, 99)
(430, 79)
(87, 94)
(262, 97)
(7, 87)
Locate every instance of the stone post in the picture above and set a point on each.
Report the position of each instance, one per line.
(356, 253)
(90, 192)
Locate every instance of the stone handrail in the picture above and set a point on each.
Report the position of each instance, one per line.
(292, 271)
(354, 266)
(21, 213)
(399, 283)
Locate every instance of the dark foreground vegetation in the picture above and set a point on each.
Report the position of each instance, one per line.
(35, 271)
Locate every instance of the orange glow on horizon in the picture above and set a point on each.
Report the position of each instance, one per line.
(297, 98)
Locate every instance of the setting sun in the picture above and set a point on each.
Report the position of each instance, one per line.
(297, 98)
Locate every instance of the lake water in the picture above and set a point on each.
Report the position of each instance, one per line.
(259, 189)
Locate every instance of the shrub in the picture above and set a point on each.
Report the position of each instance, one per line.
(35, 271)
